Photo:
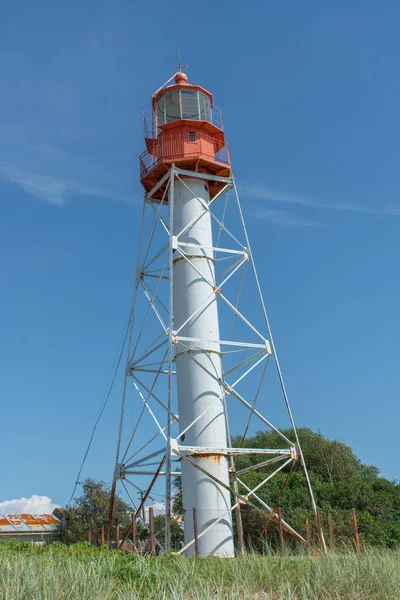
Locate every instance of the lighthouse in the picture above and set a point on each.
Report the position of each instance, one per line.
(190, 136)
(199, 341)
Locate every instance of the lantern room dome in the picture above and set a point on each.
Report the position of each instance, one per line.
(181, 77)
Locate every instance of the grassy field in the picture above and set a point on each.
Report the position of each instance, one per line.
(82, 572)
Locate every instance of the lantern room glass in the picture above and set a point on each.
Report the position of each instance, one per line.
(205, 108)
(190, 104)
(172, 106)
(183, 104)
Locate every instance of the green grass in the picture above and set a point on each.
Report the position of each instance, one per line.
(82, 572)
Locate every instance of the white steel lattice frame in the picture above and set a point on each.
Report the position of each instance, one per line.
(170, 340)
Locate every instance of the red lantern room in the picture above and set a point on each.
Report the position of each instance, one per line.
(187, 131)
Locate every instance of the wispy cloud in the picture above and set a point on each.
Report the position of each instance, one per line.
(57, 142)
(279, 217)
(260, 191)
(57, 189)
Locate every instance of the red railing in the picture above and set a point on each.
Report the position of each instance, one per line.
(181, 146)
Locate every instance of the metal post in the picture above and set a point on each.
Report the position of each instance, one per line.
(308, 532)
(281, 538)
(319, 529)
(356, 536)
(117, 536)
(102, 535)
(239, 530)
(134, 531)
(331, 532)
(152, 539)
(143, 507)
(195, 532)
(110, 513)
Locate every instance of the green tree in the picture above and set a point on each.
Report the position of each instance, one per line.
(176, 532)
(90, 512)
(340, 482)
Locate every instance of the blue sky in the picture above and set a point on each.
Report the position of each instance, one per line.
(310, 96)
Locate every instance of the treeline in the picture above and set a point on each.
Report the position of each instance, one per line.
(86, 520)
(340, 482)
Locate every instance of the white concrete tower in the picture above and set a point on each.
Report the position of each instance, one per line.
(198, 383)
